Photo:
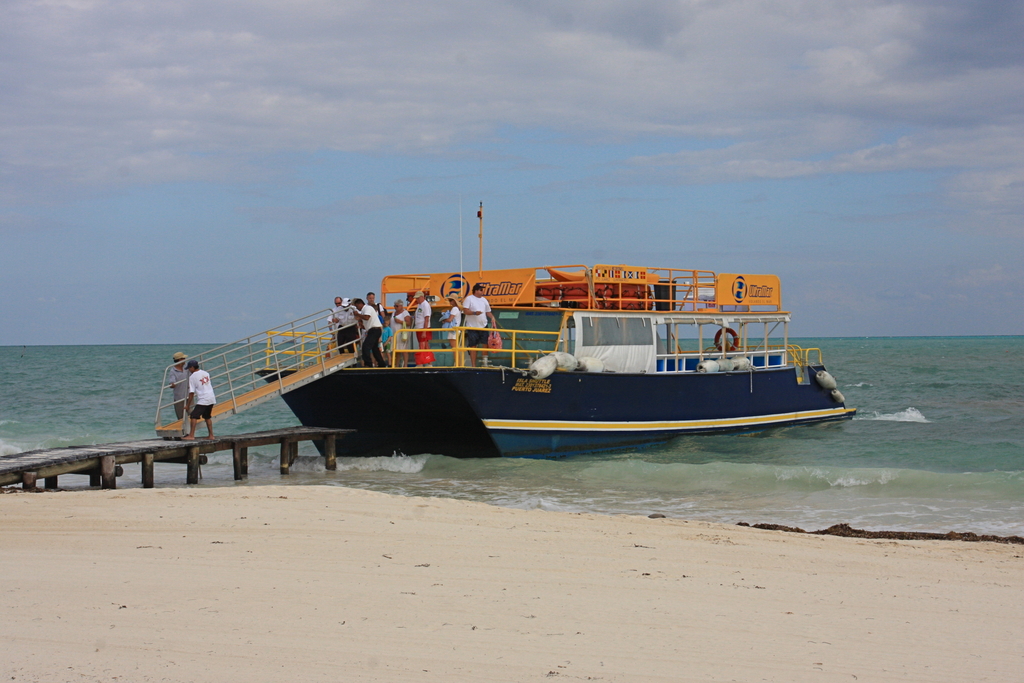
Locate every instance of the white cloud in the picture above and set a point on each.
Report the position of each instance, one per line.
(107, 92)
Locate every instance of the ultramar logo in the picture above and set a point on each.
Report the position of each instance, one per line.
(741, 290)
(455, 285)
(505, 288)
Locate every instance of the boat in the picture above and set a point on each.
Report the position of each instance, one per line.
(584, 358)
(677, 352)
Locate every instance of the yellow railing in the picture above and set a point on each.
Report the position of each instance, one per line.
(310, 344)
(513, 342)
(802, 356)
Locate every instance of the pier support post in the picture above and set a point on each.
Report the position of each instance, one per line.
(108, 473)
(286, 455)
(192, 477)
(245, 461)
(94, 477)
(147, 470)
(28, 481)
(236, 459)
(330, 453)
(50, 483)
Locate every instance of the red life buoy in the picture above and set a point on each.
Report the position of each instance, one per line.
(730, 344)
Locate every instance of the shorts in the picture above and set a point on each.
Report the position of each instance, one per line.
(476, 337)
(202, 412)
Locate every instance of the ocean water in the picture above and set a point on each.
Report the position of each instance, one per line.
(938, 444)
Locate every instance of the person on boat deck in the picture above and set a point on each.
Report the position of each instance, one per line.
(177, 378)
(371, 300)
(400, 322)
(422, 322)
(386, 337)
(334, 323)
(367, 316)
(478, 312)
(347, 330)
(453, 319)
(200, 388)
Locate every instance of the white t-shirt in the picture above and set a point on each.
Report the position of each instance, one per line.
(423, 315)
(454, 320)
(199, 384)
(478, 304)
(334, 319)
(398, 321)
(374, 320)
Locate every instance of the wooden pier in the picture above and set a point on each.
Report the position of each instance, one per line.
(102, 463)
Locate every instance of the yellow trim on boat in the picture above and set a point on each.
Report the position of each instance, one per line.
(581, 425)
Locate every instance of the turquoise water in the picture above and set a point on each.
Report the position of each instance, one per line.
(938, 444)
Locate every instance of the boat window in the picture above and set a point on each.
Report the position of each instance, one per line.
(617, 332)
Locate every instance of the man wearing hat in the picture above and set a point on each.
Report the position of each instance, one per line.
(200, 389)
(347, 330)
(478, 313)
(422, 323)
(177, 380)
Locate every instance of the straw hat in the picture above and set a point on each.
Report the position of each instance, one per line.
(179, 356)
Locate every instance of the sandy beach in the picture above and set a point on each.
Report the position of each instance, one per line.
(319, 583)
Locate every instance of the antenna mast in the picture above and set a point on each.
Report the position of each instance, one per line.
(480, 215)
(462, 272)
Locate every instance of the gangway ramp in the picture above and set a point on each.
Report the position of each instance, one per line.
(253, 370)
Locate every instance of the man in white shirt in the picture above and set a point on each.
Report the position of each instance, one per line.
(477, 311)
(373, 326)
(422, 323)
(200, 389)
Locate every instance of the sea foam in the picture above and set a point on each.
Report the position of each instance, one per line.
(404, 464)
(908, 415)
(8, 449)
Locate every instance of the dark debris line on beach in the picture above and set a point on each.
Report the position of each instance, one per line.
(835, 530)
(849, 532)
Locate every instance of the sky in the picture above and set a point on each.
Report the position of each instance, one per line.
(185, 171)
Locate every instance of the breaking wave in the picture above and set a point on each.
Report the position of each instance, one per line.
(8, 449)
(908, 415)
(403, 464)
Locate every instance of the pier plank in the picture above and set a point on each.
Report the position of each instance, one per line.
(102, 462)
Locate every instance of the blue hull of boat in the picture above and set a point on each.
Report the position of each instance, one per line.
(489, 412)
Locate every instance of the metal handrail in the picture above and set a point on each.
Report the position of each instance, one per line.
(515, 338)
(241, 366)
(802, 356)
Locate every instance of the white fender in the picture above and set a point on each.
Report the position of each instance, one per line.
(566, 361)
(589, 364)
(726, 364)
(826, 380)
(741, 363)
(543, 367)
(838, 397)
(708, 366)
